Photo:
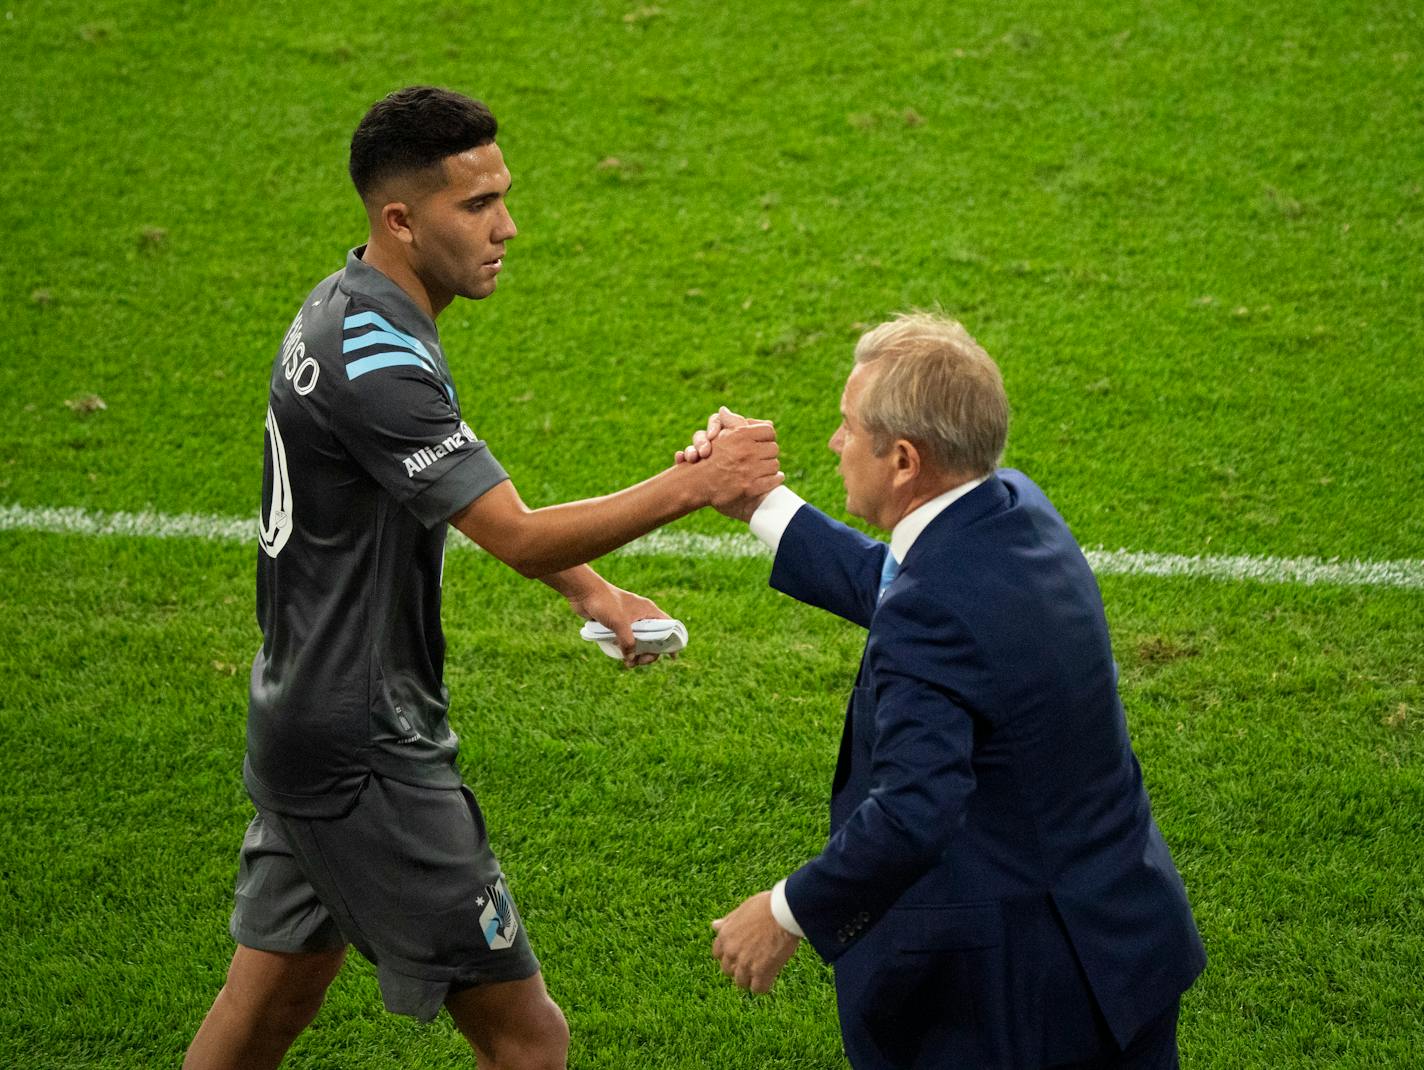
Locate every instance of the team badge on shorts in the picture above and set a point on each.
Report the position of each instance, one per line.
(498, 922)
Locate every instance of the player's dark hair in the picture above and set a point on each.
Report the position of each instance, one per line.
(414, 129)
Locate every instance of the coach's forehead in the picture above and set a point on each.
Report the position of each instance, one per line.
(860, 375)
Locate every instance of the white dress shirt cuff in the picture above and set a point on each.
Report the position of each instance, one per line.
(780, 908)
(774, 513)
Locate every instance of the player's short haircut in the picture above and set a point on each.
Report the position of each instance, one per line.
(935, 386)
(412, 131)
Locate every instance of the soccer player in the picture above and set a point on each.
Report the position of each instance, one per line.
(364, 833)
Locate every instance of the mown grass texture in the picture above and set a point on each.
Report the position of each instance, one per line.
(1189, 233)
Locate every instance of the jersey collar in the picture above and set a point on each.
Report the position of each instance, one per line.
(361, 278)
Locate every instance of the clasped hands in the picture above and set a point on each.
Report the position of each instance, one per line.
(743, 472)
(745, 449)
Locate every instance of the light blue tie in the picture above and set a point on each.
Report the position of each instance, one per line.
(887, 573)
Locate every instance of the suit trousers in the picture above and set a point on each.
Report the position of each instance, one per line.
(1015, 998)
(1154, 1047)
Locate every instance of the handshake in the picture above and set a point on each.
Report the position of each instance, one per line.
(737, 460)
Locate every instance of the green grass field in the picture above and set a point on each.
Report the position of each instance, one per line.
(1191, 235)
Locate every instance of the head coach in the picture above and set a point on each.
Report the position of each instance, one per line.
(995, 891)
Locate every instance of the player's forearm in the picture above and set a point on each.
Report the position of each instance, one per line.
(538, 542)
(573, 583)
(541, 542)
(558, 537)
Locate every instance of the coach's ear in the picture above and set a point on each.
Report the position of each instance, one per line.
(907, 462)
(395, 221)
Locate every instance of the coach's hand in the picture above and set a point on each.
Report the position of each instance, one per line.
(701, 446)
(752, 946)
(617, 609)
(742, 470)
(720, 424)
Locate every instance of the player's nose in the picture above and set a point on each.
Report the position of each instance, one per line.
(507, 229)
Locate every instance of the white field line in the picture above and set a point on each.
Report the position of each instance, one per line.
(1292, 570)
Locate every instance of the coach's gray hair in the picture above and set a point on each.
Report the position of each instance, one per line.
(935, 386)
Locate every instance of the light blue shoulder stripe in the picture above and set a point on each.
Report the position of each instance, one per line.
(365, 319)
(382, 338)
(358, 368)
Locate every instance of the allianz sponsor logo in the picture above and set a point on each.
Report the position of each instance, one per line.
(424, 457)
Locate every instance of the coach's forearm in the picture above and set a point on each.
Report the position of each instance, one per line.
(538, 542)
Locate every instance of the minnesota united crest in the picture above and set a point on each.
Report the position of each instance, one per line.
(498, 921)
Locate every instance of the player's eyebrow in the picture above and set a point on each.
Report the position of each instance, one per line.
(488, 195)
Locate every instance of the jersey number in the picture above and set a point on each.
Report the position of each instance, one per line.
(274, 521)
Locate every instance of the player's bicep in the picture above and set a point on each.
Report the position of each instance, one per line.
(401, 425)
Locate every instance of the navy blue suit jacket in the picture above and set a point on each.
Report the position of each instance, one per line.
(995, 891)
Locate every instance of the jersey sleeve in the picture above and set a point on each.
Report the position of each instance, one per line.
(401, 424)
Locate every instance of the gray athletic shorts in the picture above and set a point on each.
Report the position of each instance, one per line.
(407, 876)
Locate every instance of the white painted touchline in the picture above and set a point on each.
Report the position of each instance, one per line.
(146, 525)
(1302, 570)
(1296, 570)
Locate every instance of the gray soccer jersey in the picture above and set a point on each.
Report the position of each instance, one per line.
(367, 457)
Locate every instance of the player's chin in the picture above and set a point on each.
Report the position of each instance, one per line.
(481, 288)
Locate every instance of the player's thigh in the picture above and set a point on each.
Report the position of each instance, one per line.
(282, 983)
(511, 1022)
(275, 907)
